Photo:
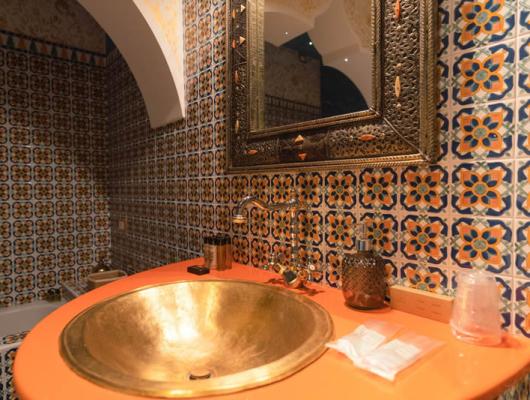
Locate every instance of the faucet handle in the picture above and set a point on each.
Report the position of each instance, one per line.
(273, 263)
(314, 269)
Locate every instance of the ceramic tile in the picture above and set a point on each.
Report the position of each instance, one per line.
(340, 190)
(523, 189)
(309, 186)
(483, 131)
(260, 250)
(482, 244)
(479, 22)
(333, 268)
(524, 66)
(424, 238)
(431, 279)
(339, 229)
(310, 227)
(522, 307)
(522, 249)
(485, 74)
(382, 231)
(424, 189)
(378, 188)
(483, 188)
(523, 127)
(524, 16)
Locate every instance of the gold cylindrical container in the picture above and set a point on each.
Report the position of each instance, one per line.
(217, 252)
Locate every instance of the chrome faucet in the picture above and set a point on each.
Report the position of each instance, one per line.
(294, 274)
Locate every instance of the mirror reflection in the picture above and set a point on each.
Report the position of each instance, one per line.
(317, 60)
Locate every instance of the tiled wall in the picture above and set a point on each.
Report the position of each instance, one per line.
(54, 217)
(472, 209)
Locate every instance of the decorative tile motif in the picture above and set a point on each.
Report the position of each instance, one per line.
(483, 132)
(522, 249)
(378, 188)
(282, 187)
(445, 29)
(483, 244)
(479, 22)
(524, 67)
(505, 294)
(482, 188)
(281, 223)
(522, 307)
(339, 228)
(259, 222)
(484, 75)
(523, 189)
(382, 230)
(334, 268)
(523, 128)
(424, 238)
(260, 250)
(443, 85)
(309, 187)
(431, 279)
(424, 188)
(524, 15)
(310, 227)
(340, 190)
(13, 338)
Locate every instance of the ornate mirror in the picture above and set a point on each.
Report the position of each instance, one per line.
(330, 82)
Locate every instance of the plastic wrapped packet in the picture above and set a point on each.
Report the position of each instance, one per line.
(364, 339)
(396, 355)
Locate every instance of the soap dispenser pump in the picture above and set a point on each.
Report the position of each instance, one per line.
(363, 274)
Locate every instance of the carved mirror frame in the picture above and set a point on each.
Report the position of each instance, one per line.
(399, 128)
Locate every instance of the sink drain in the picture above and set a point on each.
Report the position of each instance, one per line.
(199, 374)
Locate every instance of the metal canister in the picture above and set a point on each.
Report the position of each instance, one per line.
(218, 252)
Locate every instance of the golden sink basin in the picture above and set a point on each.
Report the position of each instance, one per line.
(195, 338)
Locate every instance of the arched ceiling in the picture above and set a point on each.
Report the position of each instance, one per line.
(149, 35)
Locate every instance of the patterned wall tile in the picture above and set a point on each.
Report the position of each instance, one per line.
(522, 249)
(424, 238)
(479, 22)
(340, 190)
(52, 167)
(378, 188)
(483, 188)
(483, 244)
(382, 230)
(522, 307)
(424, 188)
(485, 74)
(483, 132)
(431, 279)
(524, 66)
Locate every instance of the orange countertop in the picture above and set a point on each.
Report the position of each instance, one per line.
(455, 371)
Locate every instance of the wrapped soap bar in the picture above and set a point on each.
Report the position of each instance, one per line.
(396, 355)
(364, 339)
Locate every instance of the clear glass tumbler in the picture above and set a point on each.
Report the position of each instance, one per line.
(476, 317)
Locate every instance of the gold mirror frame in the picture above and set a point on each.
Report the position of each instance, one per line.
(399, 128)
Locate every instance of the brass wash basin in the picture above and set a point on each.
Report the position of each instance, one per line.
(196, 338)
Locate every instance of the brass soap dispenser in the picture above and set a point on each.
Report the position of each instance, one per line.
(363, 275)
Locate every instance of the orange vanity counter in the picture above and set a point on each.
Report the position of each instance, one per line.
(456, 371)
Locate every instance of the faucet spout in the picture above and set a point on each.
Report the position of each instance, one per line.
(254, 200)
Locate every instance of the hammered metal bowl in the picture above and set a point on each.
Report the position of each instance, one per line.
(196, 338)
